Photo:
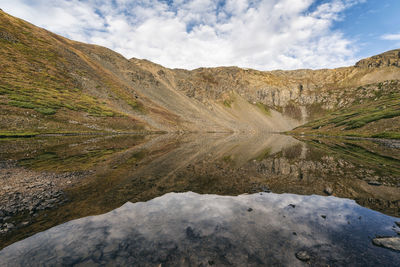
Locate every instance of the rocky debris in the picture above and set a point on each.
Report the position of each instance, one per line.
(8, 37)
(328, 190)
(303, 255)
(389, 143)
(387, 242)
(28, 192)
(260, 188)
(249, 209)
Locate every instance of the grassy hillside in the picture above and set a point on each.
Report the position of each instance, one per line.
(47, 85)
(374, 113)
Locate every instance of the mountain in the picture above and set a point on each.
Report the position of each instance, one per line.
(50, 84)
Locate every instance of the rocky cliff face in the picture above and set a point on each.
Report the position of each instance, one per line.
(387, 59)
(49, 83)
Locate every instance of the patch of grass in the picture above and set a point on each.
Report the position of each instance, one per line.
(135, 105)
(264, 108)
(21, 104)
(364, 119)
(228, 103)
(46, 111)
(227, 159)
(17, 134)
(387, 135)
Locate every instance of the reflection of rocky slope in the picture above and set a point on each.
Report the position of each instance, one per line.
(127, 168)
(201, 230)
(50, 84)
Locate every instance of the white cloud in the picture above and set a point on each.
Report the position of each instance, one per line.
(260, 34)
(391, 37)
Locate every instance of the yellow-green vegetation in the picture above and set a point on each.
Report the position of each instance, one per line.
(265, 154)
(360, 152)
(48, 100)
(227, 159)
(387, 135)
(366, 117)
(17, 134)
(47, 78)
(264, 108)
(73, 153)
(228, 103)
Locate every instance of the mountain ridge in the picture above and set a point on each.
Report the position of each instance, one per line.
(51, 84)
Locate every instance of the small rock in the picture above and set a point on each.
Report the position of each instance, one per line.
(303, 255)
(323, 216)
(249, 209)
(328, 190)
(376, 183)
(397, 223)
(387, 242)
(292, 205)
(9, 226)
(294, 233)
(265, 189)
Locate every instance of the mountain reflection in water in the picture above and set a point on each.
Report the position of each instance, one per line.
(191, 229)
(116, 169)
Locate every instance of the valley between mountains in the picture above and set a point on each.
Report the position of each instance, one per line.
(50, 84)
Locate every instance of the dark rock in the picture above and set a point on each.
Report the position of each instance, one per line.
(387, 242)
(292, 205)
(328, 190)
(323, 216)
(397, 223)
(376, 183)
(249, 209)
(294, 233)
(265, 189)
(303, 255)
(9, 226)
(192, 234)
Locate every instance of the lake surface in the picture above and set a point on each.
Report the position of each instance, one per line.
(210, 199)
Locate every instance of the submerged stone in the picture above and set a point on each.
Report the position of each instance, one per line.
(388, 242)
(303, 255)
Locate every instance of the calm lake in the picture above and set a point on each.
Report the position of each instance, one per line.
(198, 200)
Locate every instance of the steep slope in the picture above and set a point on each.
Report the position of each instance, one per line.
(375, 114)
(51, 84)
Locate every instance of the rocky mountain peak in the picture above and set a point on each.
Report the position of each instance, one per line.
(387, 59)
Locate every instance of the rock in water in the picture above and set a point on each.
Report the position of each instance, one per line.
(328, 190)
(387, 242)
(303, 255)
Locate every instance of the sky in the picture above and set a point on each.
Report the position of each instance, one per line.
(258, 34)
